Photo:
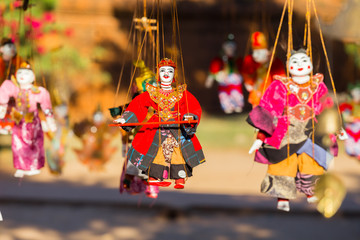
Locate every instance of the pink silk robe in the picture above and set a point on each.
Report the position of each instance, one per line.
(28, 138)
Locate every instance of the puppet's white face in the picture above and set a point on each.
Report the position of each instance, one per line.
(261, 55)
(300, 65)
(355, 93)
(229, 48)
(8, 51)
(166, 74)
(25, 77)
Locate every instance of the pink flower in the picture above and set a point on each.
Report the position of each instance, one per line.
(49, 17)
(17, 4)
(41, 50)
(69, 32)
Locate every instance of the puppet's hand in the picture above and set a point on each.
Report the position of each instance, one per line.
(50, 121)
(2, 111)
(343, 135)
(248, 87)
(190, 128)
(120, 120)
(209, 81)
(256, 145)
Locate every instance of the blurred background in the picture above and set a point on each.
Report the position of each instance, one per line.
(78, 49)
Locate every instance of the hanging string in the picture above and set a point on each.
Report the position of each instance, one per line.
(275, 45)
(123, 61)
(310, 53)
(328, 64)
(288, 54)
(181, 57)
(162, 31)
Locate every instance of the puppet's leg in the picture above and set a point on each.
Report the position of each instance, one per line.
(309, 173)
(225, 102)
(279, 181)
(237, 100)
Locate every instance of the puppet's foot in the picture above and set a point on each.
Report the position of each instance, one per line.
(283, 204)
(32, 172)
(19, 173)
(312, 199)
(152, 191)
(158, 182)
(238, 109)
(179, 183)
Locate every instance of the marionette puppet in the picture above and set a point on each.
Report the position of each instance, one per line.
(9, 59)
(97, 149)
(132, 180)
(255, 66)
(225, 70)
(27, 137)
(351, 114)
(146, 77)
(285, 118)
(58, 140)
(160, 149)
(9, 62)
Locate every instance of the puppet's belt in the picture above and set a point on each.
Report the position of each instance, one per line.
(17, 116)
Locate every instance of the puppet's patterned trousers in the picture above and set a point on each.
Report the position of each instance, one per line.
(297, 172)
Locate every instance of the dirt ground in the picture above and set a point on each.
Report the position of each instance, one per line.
(221, 201)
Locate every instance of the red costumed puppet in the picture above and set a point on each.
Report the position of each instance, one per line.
(255, 67)
(225, 71)
(165, 151)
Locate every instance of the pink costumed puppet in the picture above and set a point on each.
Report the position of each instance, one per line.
(27, 138)
(286, 120)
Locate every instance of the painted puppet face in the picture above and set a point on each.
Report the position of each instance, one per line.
(8, 51)
(300, 65)
(166, 74)
(355, 93)
(261, 55)
(229, 48)
(25, 76)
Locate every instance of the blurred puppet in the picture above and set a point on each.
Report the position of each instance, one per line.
(58, 140)
(9, 62)
(164, 151)
(27, 137)
(351, 114)
(286, 121)
(132, 180)
(97, 149)
(255, 67)
(225, 70)
(146, 76)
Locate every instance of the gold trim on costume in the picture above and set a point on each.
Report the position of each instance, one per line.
(166, 101)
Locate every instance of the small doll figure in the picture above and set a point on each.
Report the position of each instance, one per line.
(132, 180)
(225, 71)
(9, 60)
(285, 121)
(58, 140)
(97, 149)
(27, 137)
(146, 76)
(168, 151)
(255, 66)
(351, 114)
